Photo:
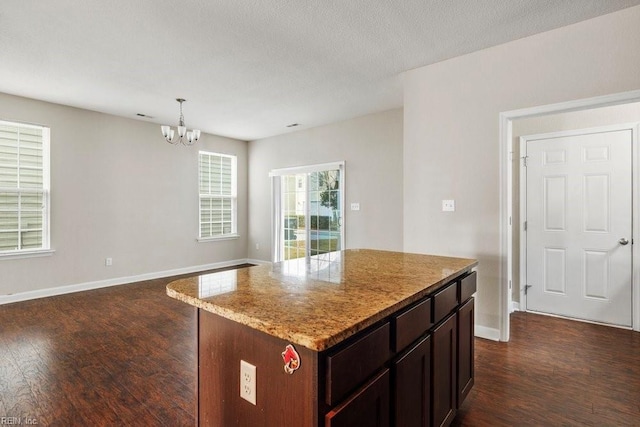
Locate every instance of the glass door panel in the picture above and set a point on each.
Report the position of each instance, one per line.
(294, 209)
(310, 214)
(325, 212)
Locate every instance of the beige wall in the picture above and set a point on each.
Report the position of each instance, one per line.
(618, 114)
(371, 147)
(118, 190)
(451, 140)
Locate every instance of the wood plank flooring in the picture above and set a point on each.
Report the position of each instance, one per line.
(555, 372)
(125, 355)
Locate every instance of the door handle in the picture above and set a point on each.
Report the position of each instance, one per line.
(623, 241)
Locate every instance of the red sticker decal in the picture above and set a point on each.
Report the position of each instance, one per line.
(291, 359)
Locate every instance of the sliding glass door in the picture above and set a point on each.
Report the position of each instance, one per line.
(308, 204)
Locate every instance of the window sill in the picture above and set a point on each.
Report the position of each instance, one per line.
(218, 238)
(26, 254)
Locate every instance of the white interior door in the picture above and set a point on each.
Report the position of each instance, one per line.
(579, 225)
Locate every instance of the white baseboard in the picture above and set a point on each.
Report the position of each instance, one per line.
(61, 290)
(258, 262)
(487, 333)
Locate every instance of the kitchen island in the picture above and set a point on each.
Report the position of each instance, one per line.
(355, 337)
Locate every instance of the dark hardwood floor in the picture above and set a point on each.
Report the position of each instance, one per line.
(555, 372)
(125, 355)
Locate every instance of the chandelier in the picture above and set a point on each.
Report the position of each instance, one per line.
(185, 137)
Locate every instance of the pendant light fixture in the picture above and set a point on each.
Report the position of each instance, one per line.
(185, 137)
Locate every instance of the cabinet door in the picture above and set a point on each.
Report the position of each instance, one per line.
(444, 367)
(412, 384)
(465, 350)
(367, 407)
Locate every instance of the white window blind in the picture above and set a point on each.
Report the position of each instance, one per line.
(24, 188)
(217, 195)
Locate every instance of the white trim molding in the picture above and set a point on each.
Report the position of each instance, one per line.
(258, 261)
(61, 290)
(307, 169)
(27, 254)
(487, 333)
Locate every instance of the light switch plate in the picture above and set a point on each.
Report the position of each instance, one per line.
(448, 206)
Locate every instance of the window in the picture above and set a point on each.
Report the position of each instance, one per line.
(217, 195)
(24, 188)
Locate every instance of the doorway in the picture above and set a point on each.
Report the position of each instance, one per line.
(307, 210)
(508, 260)
(576, 199)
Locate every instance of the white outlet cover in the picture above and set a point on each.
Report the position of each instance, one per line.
(355, 206)
(248, 382)
(448, 206)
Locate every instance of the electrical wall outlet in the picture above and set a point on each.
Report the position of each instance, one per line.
(355, 206)
(108, 262)
(248, 382)
(448, 206)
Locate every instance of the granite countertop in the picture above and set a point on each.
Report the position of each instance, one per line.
(319, 302)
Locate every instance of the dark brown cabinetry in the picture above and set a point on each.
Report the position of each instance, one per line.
(413, 368)
(412, 385)
(444, 371)
(355, 363)
(430, 363)
(431, 367)
(368, 407)
(465, 350)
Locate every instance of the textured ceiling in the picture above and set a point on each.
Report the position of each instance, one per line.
(248, 68)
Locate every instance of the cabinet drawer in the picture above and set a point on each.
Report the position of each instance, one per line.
(467, 286)
(368, 407)
(350, 367)
(409, 325)
(445, 301)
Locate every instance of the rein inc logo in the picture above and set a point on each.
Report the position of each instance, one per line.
(18, 421)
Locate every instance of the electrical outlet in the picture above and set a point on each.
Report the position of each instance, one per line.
(355, 206)
(248, 382)
(257, 246)
(108, 262)
(448, 206)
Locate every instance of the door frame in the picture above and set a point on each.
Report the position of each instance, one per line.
(276, 203)
(505, 123)
(522, 194)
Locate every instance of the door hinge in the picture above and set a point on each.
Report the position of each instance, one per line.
(525, 225)
(524, 161)
(526, 289)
